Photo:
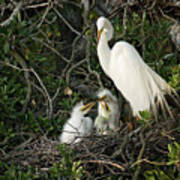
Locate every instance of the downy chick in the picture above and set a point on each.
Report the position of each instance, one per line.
(77, 125)
(108, 112)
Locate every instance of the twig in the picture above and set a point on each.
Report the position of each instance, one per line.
(154, 162)
(26, 75)
(14, 13)
(125, 141)
(71, 69)
(12, 66)
(45, 14)
(52, 49)
(75, 41)
(88, 47)
(105, 162)
(136, 174)
(72, 2)
(39, 89)
(66, 22)
(167, 17)
(46, 92)
(36, 6)
(3, 152)
(143, 34)
(120, 150)
(125, 20)
(56, 94)
(50, 111)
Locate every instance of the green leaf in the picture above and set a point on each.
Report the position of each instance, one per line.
(6, 47)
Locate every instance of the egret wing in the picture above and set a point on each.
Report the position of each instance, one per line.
(137, 82)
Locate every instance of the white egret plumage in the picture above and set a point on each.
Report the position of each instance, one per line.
(108, 112)
(139, 84)
(77, 125)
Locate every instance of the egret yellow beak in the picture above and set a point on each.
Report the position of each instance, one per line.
(99, 34)
(88, 106)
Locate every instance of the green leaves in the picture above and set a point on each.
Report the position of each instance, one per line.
(174, 154)
(170, 173)
(67, 167)
(156, 174)
(6, 47)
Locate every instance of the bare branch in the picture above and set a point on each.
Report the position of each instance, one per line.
(14, 13)
(106, 163)
(36, 6)
(66, 22)
(44, 15)
(52, 49)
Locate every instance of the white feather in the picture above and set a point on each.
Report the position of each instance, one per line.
(76, 126)
(138, 83)
(107, 120)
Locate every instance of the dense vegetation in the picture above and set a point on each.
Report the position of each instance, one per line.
(48, 63)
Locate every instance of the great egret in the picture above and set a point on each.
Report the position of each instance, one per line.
(108, 112)
(77, 125)
(138, 83)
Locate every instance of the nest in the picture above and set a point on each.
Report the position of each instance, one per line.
(101, 156)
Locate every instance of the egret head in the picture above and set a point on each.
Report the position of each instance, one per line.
(105, 27)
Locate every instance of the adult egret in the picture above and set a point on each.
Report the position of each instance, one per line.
(108, 112)
(138, 83)
(77, 125)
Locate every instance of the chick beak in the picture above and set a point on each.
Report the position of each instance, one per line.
(88, 106)
(99, 34)
(101, 98)
(105, 108)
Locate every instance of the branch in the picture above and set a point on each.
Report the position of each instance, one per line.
(71, 69)
(88, 46)
(136, 174)
(154, 162)
(50, 111)
(36, 6)
(52, 49)
(45, 14)
(66, 22)
(14, 13)
(26, 75)
(106, 163)
(46, 92)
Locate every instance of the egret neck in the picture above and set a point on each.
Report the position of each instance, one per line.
(104, 52)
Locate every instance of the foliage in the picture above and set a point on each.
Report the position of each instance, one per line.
(45, 43)
(68, 167)
(174, 154)
(170, 173)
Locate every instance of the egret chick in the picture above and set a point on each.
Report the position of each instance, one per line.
(108, 112)
(140, 85)
(77, 124)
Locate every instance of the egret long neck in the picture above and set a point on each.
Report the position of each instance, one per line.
(104, 53)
